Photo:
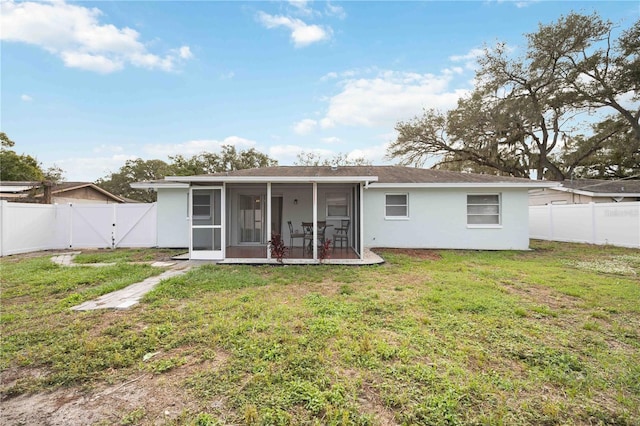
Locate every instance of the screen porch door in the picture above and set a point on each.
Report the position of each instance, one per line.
(206, 212)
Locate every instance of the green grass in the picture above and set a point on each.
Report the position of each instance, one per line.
(128, 255)
(538, 337)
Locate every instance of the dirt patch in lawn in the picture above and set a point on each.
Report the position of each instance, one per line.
(145, 399)
(371, 403)
(423, 254)
(544, 296)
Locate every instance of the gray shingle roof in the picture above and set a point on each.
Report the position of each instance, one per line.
(604, 186)
(385, 174)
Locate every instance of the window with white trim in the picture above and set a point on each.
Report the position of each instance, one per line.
(396, 206)
(483, 209)
(337, 206)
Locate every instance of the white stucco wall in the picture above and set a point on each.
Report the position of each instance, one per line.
(173, 217)
(438, 219)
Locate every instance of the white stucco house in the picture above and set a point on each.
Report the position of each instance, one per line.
(232, 215)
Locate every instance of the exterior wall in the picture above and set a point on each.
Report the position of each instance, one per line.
(173, 217)
(438, 219)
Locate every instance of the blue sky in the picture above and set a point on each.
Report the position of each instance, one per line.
(88, 85)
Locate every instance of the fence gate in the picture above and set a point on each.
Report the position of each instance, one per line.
(112, 225)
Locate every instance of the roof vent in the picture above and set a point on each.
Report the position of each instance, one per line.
(334, 168)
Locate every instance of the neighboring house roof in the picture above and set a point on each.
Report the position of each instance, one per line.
(31, 191)
(601, 188)
(69, 186)
(375, 176)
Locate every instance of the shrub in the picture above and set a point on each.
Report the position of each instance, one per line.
(277, 247)
(325, 250)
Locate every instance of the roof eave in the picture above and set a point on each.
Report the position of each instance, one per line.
(273, 179)
(156, 185)
(526, 185)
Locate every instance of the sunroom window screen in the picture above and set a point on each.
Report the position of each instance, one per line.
(483, 209)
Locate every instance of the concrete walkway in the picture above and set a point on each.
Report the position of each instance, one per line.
(128, 296)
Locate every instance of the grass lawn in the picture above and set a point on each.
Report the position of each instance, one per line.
(549, 336)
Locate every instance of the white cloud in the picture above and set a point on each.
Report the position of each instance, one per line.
(288, 154)
(26, 98)
(470, 58)
(388, 97)
(302, 7)
(75, 34)
(305, 126)
(331, 140)
(302, 34)
(227, 75)
(104, 148)
(89, 62)
(329, 76)
(194, 147)
(473, 54)
(185, 52)
(518, 3)
(88, 169)
(374, 154)
(333, 10)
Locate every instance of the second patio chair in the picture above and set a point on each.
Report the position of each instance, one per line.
(293, 234)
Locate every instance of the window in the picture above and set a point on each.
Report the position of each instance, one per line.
(396, 206)
(483, 209)
(337, 206)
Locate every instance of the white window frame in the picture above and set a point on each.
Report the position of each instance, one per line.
(335, 196)
(499, 214)
(406, 204)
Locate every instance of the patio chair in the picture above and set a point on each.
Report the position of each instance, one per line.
(342, 233)
(307, 227)
(294, 234)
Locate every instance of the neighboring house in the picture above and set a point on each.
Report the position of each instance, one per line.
(61, 193)
(232, 215)
(584, 191)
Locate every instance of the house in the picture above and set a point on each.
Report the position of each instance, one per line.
(227, 216)
(584, 191)
(60, 193)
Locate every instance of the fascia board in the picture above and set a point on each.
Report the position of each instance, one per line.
(532, 185)
(273, 179)
(157, 185)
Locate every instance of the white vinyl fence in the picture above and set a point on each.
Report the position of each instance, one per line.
(32, 227)
(617, 224)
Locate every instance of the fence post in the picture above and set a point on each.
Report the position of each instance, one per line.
(550, 208)
(592, 205)
(113, 226)
(70, 225)
(3, 205)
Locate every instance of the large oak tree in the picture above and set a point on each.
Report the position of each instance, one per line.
(536, 111)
